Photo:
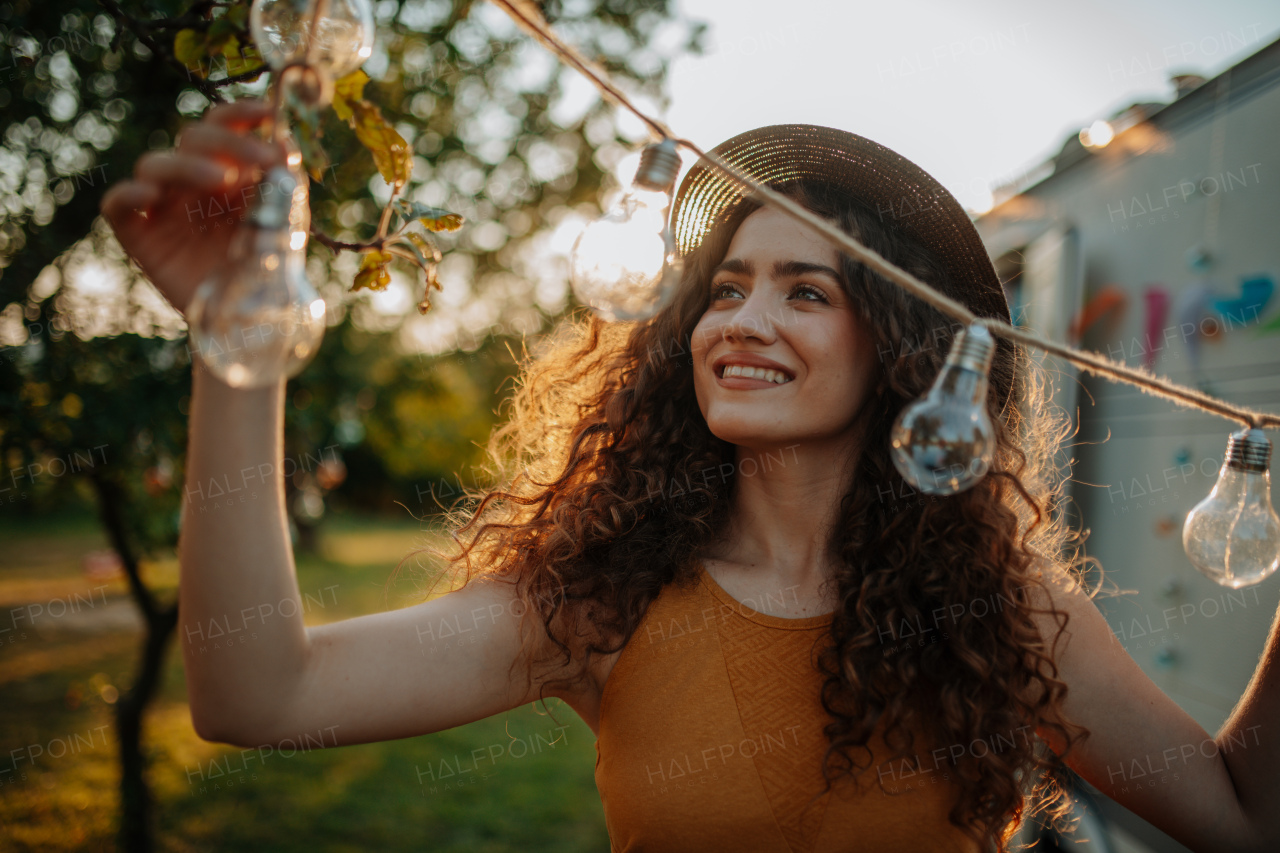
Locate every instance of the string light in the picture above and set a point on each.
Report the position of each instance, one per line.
(911, 446)
(336, 35)
(1097, 135)
(625, 266)
(1233, 536)
(944, 442)
(257, 318)
(526, 15)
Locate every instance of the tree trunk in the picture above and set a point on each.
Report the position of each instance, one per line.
(135, 797)
(135, 834)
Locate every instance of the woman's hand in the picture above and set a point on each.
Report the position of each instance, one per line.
(177, 215)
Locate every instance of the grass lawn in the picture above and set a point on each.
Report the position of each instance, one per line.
(531, 789)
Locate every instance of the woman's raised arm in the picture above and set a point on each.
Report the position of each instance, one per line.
(256, 674)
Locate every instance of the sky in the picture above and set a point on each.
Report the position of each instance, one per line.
(977, 92)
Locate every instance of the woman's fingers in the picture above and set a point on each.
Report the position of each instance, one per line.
(219, 141)
(248, 154)
(166, 167)
(128, 200)
(242, 114)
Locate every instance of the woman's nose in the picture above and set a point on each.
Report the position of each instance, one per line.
(753, 319)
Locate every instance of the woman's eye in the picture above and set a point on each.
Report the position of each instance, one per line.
(810, 291)
(728, 288)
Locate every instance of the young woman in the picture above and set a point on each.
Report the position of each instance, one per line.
(698, 541)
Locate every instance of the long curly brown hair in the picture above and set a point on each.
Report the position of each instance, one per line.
(581, 514)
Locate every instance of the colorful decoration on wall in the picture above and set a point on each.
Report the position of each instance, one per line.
(1156, 298)
(1191, 311)
(1108, 302)
(1255, 294)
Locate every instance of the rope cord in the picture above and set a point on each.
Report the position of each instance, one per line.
(530, 19)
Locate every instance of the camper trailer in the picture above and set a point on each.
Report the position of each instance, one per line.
(1153, 237)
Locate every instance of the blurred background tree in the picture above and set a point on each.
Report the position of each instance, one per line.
(396, 406)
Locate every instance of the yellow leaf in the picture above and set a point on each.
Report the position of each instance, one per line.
(391, 153)
(447, 222)
(241, 59)
(432, 218)
(347, 91)
(425, 246)
(189, 49)
(373, 272)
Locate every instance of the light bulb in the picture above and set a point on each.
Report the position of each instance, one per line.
(282, 30)
(1233, 536)
(257, 318)
(1097, 135)
(944, 442)
(624, 265)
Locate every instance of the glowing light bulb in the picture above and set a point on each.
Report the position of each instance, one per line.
(1097, 135)
(1233, 536)
(257, 318)
(624, 266)
(944, 442)
(344, 33)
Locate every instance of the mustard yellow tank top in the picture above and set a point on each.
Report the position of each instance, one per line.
(711, 739)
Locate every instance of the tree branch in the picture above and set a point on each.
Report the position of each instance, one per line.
(336, 246)
(241, 77)
(136, 27)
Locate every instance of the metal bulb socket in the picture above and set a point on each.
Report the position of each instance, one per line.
(973, 349)
(659, 165)
(1249, 450)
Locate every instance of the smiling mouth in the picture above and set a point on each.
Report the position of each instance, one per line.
(743, 371)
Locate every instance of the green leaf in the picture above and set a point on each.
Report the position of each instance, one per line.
(347, 91)
(219, 32)
(432, 218)
(189, 49)
(373, 272)
(239, 16)
(390, 151)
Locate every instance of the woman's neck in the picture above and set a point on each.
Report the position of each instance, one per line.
(786, 503)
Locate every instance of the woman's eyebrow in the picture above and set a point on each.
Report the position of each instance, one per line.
(781, 269)
(736, 266)
(788, 269)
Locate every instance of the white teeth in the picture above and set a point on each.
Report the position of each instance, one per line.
(765, 373)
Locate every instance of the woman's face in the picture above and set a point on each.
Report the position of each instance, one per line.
(777, 303)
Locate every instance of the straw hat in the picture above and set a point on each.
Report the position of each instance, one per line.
(904, 195)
